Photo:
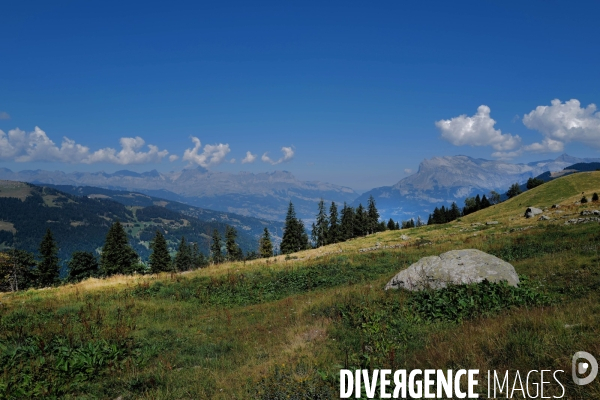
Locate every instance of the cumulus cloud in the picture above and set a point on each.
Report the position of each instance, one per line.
(477, 130)
(249, 158)
(211, 154)
(288, 154)
(173, 157)
(4, 115)
(21, 146)
(561, 123)
(408, 171)
(232, 161)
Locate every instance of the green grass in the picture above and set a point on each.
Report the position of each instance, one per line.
(284, 329)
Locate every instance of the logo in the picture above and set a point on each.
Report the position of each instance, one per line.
(581, 367)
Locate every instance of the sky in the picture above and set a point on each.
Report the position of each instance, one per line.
(351, 93)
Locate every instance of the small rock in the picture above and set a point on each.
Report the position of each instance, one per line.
(532, 211)
(544, 218)
(404, 237)
(492, 223)
(555, 206)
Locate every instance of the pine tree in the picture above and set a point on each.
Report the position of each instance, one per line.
(514, 190)
(198, 258)
(320, 227)
(294, 235)
(215, 248)
(183, 258)
(391, 225)
(160, 259)
(454, 211)
(234, 253)
(82, 265)
(334, 235)
(117, 257)
(347, 224)
(265, 247)
(48, 267)
(372, 216)
(477, 203)
(361, 227)
(485, 203)
(397, 225)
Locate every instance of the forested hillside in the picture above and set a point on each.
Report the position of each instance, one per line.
(80, 223)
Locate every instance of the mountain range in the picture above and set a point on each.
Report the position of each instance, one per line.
(262, 195)
(443, 180)
(439, 181)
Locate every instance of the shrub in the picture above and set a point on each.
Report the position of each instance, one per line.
(584, 200)
(595, 197)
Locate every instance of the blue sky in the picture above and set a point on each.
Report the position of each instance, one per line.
(349, 93)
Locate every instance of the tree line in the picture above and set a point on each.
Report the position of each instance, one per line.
(21, 270)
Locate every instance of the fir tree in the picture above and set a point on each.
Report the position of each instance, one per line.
(198, 258)
(372, 216)
(514, 190)
(265, 247)
(82, 265)
(391, 225)
(160, 259)
(334, 235)
(454, 211)
(397, 225)
(117, 255)
(215, 248)
(183, 258)
(320, 227)
(48, 267)
(485, 203)
(361, 227)
(595, 197)
(347, 223)
(477, 203)
(234, 253)
(294, 235)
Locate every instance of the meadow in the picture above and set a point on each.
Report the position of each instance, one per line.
(282, 328)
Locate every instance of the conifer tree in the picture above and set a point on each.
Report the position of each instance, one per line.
(117, 257)
(48, 267)
(485, 203)
(265, 247)
(198, 258)
(347, 223)
(295, 237)
(372, 216)
(320, 227)
(397, 225)
(160, 259)
(391, 225)
(82, 265)
(334, 235)
(234, 253)
(215, 248)
(514, 190)
(361, 227)
(454, 211)
(477, 203)
(183, 258)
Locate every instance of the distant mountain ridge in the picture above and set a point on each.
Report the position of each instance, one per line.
(262, 195)
(442, 180)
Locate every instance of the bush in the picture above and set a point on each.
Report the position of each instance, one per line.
(584, 200)
(595, 197)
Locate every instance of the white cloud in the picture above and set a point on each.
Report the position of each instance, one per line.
(21, 146)
(249, 158)
(173, 157)
(408, 171)
(232, 161)
(211, 155)
(564, 122)
(477, 130)
(546, 146)
(288, 154)
(4, 115)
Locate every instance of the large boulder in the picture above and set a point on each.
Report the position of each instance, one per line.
(532, 212)
(454, 267)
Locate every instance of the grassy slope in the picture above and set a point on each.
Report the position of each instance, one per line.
(247, 330)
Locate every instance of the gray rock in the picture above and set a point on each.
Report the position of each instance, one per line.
(532, 211)
(590, 212)
(555, 206)
(544, 218)
(404, 237)
(492, 223)
(456, 267)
